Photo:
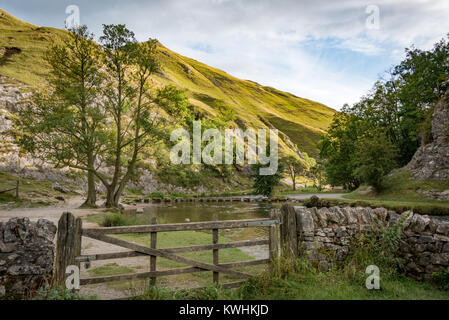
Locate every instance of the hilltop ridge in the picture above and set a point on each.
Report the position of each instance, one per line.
(300, 121)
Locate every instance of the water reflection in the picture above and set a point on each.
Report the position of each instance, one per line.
(197, 212)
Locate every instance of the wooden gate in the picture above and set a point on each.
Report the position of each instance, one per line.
(70, 232)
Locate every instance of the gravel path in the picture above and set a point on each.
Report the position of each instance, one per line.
(52, 213)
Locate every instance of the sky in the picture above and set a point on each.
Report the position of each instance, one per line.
(330, 51)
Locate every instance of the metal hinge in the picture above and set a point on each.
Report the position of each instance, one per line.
(85, 258)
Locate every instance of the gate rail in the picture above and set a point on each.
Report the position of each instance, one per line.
(70, 232)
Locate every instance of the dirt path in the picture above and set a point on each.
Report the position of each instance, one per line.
(52, 213)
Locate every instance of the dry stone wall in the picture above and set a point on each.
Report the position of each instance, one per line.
(325, 236)
(26, 256)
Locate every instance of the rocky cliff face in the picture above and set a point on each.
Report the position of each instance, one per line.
(432, 160)
(12, 95)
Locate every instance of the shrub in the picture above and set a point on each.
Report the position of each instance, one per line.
(376, 247)
(156, 195)
(114, 220)
(264, 184)
(442, 279)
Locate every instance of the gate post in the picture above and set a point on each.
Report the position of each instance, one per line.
(68, 246)
(153, 245)
(216, 275)
(289, 235)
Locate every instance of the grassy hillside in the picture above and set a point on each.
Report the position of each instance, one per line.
(401, 185)
(401, 192)
(22, 46)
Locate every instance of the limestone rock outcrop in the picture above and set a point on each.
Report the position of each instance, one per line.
(432, 160)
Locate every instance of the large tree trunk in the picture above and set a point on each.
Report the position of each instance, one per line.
(113, 198)
(91, 191)
(110, 197)
(117, 196)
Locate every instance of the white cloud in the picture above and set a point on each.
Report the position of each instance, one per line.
(266, 40)
(262, 40)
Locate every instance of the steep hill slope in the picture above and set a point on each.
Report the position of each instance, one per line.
(301, 121)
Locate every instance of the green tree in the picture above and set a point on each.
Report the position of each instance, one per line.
(294, 168)
(337, 150)
(128, 100)
(175, 104)
(375, 157)
(132, 105)
(400, 107)
(317, 174)
(423, 80)
(65, 123)
(264, 184)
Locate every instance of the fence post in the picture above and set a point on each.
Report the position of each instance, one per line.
(274, 240)
(153, 245)
(216, 275)
(68, 246)
(289, 235)
(17, 188)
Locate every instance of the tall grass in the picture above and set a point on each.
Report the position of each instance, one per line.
(118, 220)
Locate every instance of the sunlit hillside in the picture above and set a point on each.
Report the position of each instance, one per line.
(22, 46)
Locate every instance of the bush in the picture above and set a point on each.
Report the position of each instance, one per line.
(159, 195)
(442, 279)
(375, 157)
(114, 220)
(264, 185)
(377, 247)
